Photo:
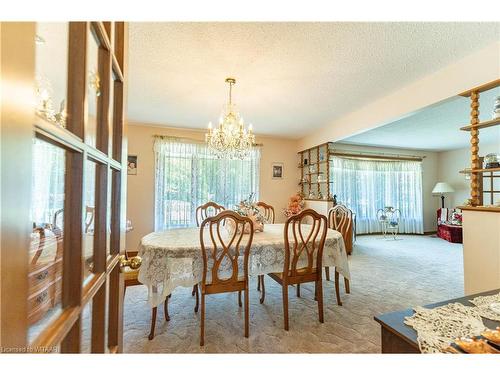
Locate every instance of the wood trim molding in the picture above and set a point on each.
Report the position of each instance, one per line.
(18, 74)
(478, 89)
(77, 70)
(480, 208)
(362, 155)
(104, 65)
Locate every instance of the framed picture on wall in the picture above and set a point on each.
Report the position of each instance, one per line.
(132, 164)
(277, 170)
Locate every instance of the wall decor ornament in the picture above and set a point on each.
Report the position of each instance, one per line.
(132, 165)
(277, 169)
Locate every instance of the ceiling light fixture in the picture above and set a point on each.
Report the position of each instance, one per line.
(230, 139)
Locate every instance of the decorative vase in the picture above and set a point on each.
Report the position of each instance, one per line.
(257, 226)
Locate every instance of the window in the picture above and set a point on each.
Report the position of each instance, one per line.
(365, 186)
(188, 175)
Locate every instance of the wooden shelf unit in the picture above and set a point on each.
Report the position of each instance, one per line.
(482, 88)
(476, 170)
(482, 170)
(482, 125)
(315, 161)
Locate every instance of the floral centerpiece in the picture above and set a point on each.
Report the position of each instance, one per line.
(248, 207)
(295, 205)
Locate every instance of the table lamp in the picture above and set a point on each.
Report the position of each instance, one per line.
(442, 188)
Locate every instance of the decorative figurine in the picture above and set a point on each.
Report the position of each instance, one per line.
(492, 161)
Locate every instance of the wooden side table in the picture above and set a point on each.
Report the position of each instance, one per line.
(397, 337)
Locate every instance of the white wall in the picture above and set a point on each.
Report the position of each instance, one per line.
(481, 251)
(429, 177)
(140, 197)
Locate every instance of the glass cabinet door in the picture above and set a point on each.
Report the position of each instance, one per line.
(47, 238)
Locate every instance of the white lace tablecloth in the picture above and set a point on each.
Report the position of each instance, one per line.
(173, 258)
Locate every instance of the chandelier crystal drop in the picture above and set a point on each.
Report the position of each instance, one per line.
(230, 139)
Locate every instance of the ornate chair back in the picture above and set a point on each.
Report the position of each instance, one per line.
(45, 271)
(44, 242)
(340, 219)
(304, 242)
(223, 249)
(207, 210)
(89, 219)
(267, 211)
(58, 219)
(395, 217)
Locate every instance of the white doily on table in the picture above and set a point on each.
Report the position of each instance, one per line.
(483, 306)
(437, 328)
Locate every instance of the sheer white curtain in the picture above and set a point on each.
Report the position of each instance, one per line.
(368, 185)
(188, 175)
(47, 181)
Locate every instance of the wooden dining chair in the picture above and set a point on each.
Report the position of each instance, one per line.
(204, 211)
(267, 211)
(340, 218)
(89, 219)
(45, 270)
(130, 271)
(303, 258)
(207, 210)
(225, 259)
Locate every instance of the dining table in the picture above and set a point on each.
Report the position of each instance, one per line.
(173, 258)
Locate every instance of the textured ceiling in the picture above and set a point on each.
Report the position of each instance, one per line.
(434, 128)
(292, 77)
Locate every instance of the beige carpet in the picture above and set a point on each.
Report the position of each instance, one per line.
(387, 275)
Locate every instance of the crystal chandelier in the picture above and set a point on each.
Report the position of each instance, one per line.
(230, 139)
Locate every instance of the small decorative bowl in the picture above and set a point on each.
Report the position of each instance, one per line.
(492, 160)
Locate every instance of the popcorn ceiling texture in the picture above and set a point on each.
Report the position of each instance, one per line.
(292, 78)
(387, 275)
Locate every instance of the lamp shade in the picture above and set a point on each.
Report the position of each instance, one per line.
(442, 187)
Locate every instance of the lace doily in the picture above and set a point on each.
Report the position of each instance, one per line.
(437, 328)
(483, 306)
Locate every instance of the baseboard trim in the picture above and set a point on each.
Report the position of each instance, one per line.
(399, 234)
